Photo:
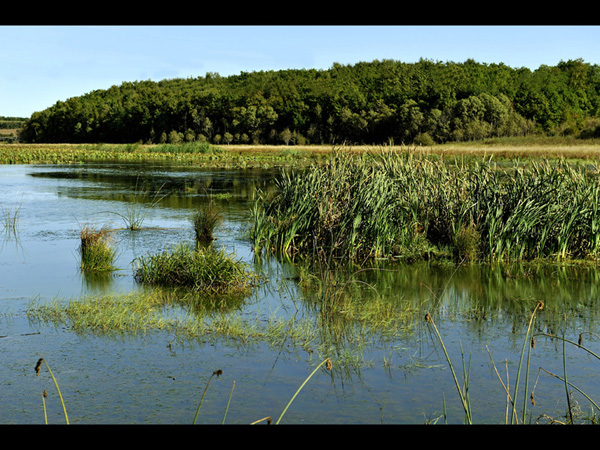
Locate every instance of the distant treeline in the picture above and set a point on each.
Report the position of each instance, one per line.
(11, 122)
(367, 103)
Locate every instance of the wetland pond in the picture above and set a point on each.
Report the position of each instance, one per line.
(403, 377)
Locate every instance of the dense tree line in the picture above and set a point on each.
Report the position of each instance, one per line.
(366, 103)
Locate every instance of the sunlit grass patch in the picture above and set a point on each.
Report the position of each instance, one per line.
(200, 269)
(96, 250)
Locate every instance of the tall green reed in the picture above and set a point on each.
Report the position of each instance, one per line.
(407, 205)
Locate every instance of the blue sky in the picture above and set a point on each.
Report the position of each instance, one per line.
(41, 65)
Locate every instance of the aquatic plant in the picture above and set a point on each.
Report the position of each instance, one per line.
(344, 206)
(187, 147)
(10, 218)
(185, 153)
(38, 368)
(216, 373)
(205, 219)
(96, 251)
(328, 365)
(201, 269)
(410, 205)
(137, 208)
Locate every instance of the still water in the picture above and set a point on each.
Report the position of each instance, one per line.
(482, 313)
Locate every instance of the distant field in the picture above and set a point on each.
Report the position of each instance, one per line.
(244, 155)
(565, 149)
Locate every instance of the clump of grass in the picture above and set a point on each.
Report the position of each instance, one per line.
(10, 219)
(466, 244)
(97, 252)
(200, 269)
(138, 207)
(205, 220)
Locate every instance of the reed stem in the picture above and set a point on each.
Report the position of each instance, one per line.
(327, 363)
(37, 369)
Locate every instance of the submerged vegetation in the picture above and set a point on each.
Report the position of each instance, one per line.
(137, 208)
(410, 205)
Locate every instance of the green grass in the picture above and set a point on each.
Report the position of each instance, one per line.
(204, 220)
(10, 219)
(138, 207)
(200, 269)
(96, 250)
(411, 205)
(200, 154)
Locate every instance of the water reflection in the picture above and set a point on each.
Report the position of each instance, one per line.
(178, 187)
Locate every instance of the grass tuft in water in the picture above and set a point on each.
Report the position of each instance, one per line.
(10, 219)
(200, 269)
(97, 253)
(138, 206)
(205, 220)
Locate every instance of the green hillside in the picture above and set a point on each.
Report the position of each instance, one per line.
(367, 103)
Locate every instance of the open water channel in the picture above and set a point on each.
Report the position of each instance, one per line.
(482, 314)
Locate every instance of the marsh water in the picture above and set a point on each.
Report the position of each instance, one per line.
(482, 313)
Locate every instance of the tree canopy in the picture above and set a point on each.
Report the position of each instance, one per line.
(365, 103)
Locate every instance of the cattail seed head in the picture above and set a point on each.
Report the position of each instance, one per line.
(38, 366)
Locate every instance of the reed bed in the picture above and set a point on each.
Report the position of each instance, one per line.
(96, 250)
(200, 269)
(410, 205)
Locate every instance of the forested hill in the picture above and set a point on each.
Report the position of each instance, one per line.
(366, 103)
